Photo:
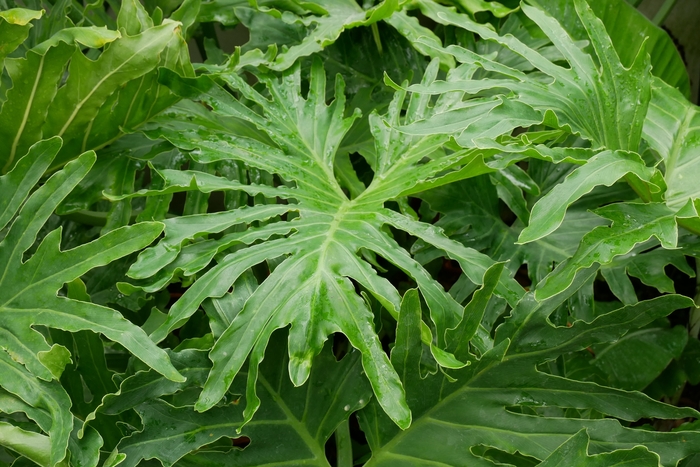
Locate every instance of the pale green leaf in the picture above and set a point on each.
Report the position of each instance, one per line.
(91, 36)
(672, 128)
(90, 83)
(29, 288)
(603, 103)
(666, 61)
(605, 168)
(475, 6)
(33, 446)
(308, 134)
(14, 29)
(632, 224)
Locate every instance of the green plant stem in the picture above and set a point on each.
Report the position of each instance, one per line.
(377, 39)
(663, 12)
(343, 444)
(694, 323)
(94, 218)
(639, 187)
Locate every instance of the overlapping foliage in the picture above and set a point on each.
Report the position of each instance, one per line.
(460, 225)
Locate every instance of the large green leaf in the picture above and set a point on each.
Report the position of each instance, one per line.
(304, 417)
(604, 102)
(632, 224)
(29, 292)
(14, 29)
(605, 168)
(90, 84)
(318, 23)
(574, 453)
(143, 97)
(35, 80)
(501, 401)
(311, 289)
(29, 302)
(284, 208)
(628, 28)
(672, 128)
(101, 98)
(596, 97)
(634, 361)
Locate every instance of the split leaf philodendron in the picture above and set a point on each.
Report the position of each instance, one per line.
(453, 233)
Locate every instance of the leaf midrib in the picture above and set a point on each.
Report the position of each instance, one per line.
(80, 104)
(675, 150)
(298, 426)
(34, 283)
(25, 117)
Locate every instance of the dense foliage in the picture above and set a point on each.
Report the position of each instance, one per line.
(389, 233)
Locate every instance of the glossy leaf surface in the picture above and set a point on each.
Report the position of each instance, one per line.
(326, 240)
(469, 225)
(489, 403)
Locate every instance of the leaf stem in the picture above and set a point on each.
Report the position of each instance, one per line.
(664, 11)
(694, 322)
(377, 38)
(343, 444)
(639, 188)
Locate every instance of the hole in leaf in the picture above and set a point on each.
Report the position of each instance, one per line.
(225, 444)
(341, 346)
(241, 442)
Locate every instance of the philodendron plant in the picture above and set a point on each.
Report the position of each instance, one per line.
(455, 233)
